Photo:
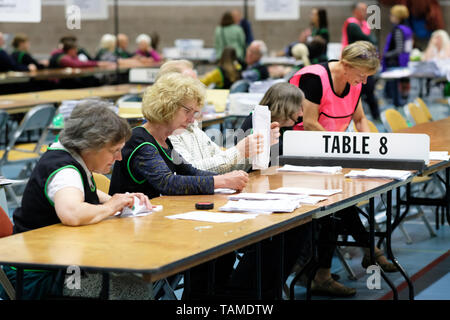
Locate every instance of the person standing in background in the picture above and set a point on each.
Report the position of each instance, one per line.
(356, 28)
(245, 25)
(229, 34)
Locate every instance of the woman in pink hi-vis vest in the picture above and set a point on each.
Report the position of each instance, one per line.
(335, 86)
(340, 83)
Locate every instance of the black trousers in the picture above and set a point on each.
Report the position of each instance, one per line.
(330, 228)
(368, 93)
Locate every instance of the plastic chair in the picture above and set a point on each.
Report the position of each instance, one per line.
(393, 121)
(38, 118)
(424, 108)
(372, 126)
(415, 114)
(6, 229)
(102, 182)
(240, 86)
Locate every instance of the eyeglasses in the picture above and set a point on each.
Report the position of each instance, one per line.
(192, 112)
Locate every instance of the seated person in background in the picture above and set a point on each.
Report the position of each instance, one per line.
(108, 52)
(253, 69)
(438, 46)
(197, 148)
(6, 62)
(285, 104)
(61, 188)
(227, 72)
(83, 55)
(145, 50)
(21, 53)
(69, 58)
(122, 46)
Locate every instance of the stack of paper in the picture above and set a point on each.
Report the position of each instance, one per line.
(224, 191)
(209, 216)
(307, 191)
(329, 170)
(439, 155)
(261, 124)
(379, 173)
(138, 210)
(312, 200)
(267, 206)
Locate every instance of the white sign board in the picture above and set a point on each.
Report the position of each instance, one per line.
(143, 75)
(90, 9)
(277, 10)
(20, 11)
(357, 145)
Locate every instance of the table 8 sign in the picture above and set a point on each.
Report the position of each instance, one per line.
(365, 145)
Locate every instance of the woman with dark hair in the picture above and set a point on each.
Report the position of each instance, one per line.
(227, 72)
(229, 34)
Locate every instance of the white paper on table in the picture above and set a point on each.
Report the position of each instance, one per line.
(380, 174)
(312, 200)
(138, 210)
(261, 206)
(261, 124)
(439, 155)
(209, 216)
(307, 191)
(266, 196)
(329, 170)
(224, 191)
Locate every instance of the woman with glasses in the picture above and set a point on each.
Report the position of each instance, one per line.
(150, 164)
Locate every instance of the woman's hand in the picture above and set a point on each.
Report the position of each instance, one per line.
(236, 180)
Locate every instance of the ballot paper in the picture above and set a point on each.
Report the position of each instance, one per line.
(259, 206)
(261, 124)
(439, 155)
(329, 170)
(224, 191)
(209, 216)
(312, 200)
(138, 210)
(379, 173)
(307, 191)
(266, 196)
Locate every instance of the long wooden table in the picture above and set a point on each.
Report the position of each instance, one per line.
(22, 102)
(161, 247)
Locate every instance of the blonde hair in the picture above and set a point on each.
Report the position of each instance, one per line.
(362, 55)
(163, 99)
(108, 41)
(300, 51)
(400, 11)
(177, 66)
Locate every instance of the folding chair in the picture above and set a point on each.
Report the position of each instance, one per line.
(424, 108)
(393, 122)
(102, 182)
(27, 154)
(6, 229)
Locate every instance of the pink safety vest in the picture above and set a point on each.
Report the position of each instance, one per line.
(335, 113)
(364, 28)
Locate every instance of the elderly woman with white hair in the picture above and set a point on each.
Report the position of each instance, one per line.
(144, 43)
(438, 46)
(61, 188)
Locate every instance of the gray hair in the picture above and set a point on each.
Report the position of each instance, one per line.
(92, 125)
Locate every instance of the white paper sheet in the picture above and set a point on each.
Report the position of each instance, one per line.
(138, 210)
(261, 206)
(224, 191)
(265, 196)
(261, 124)
(209, 216)
(439, 155)
(380, 174)
(307, 191)
(329, 170)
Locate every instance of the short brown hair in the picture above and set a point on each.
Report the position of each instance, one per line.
(18, 39)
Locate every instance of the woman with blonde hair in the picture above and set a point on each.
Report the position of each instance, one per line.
(399, 44)
(332, 99)
(438, 46)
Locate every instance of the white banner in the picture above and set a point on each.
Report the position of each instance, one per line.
(389, 146)
(277, 10)
(90, 9)
(20, 11)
